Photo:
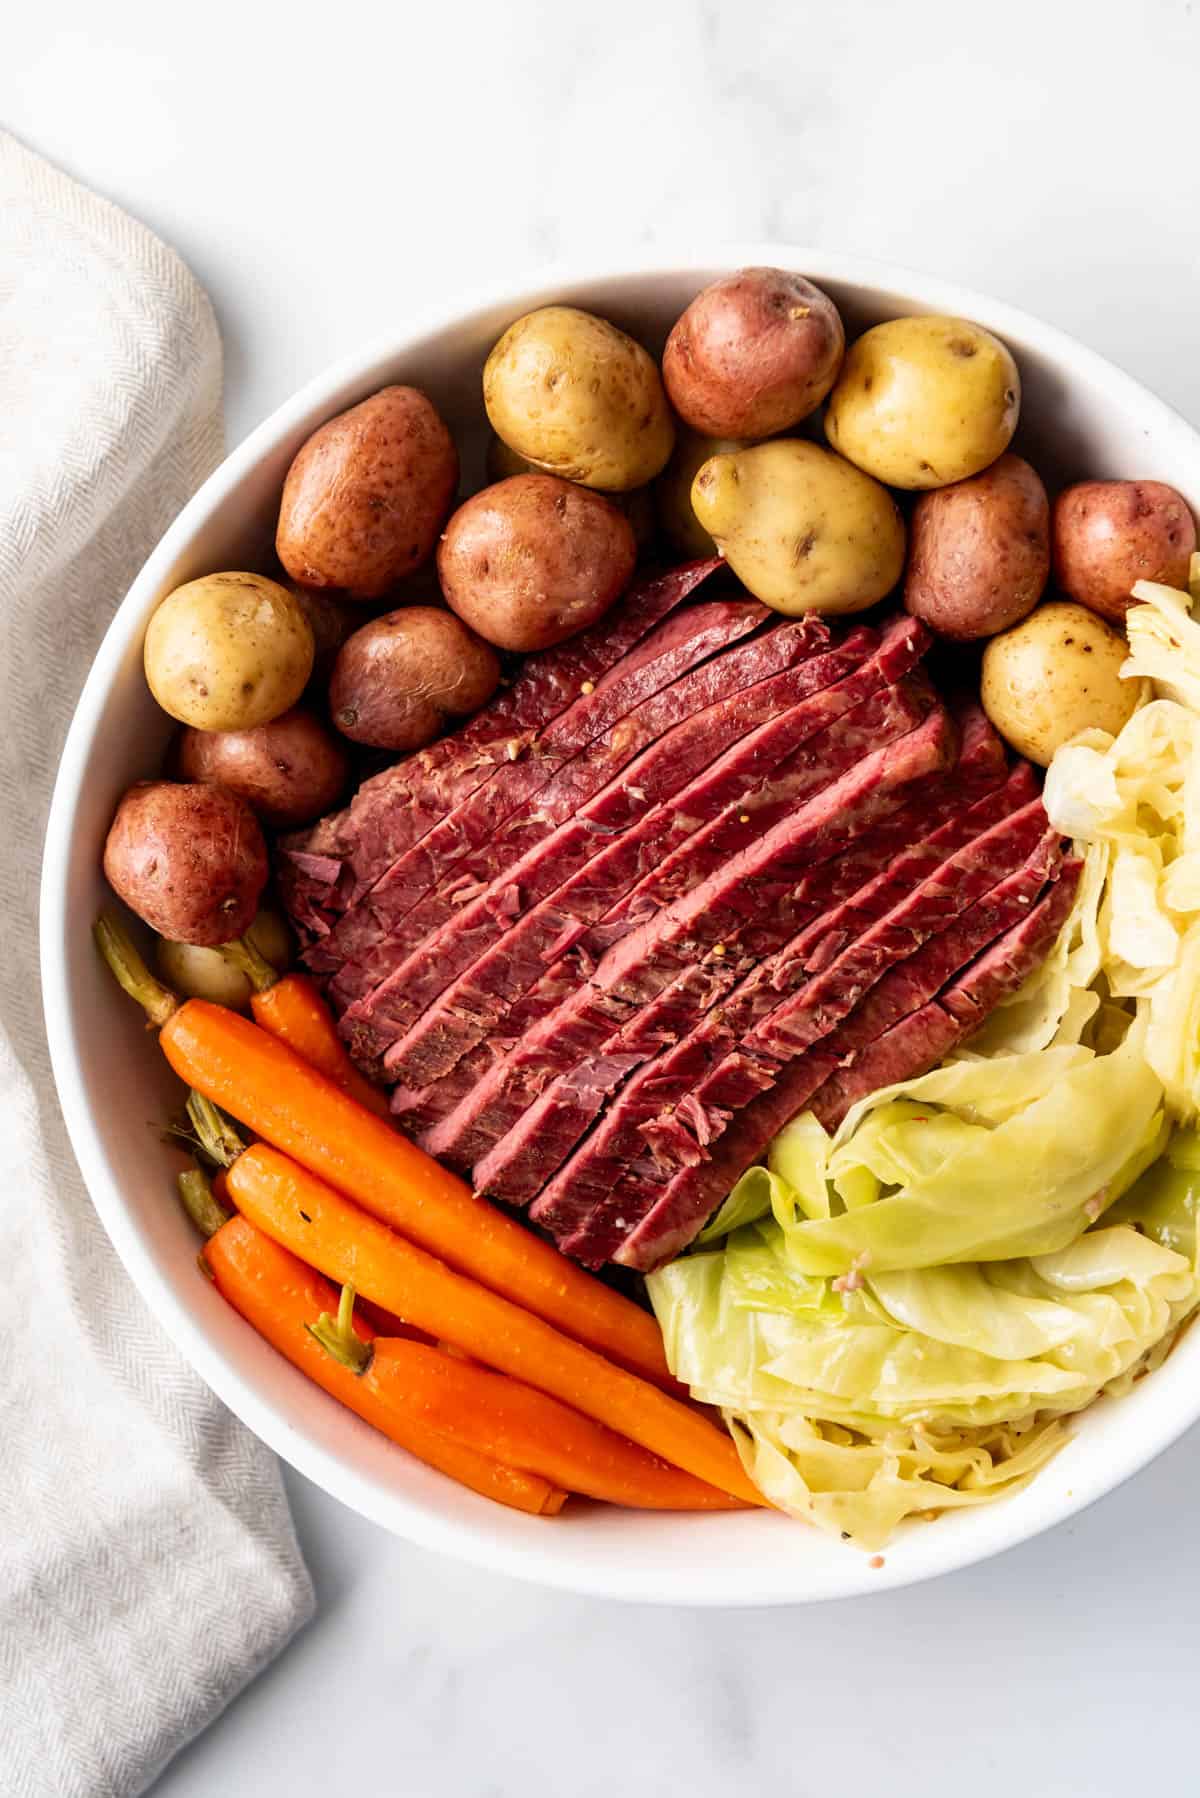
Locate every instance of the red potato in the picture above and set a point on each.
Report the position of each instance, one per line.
(189, 859)
(1109, 534)
(402, 678)
(979, 552)
(367, 494)
(288, 771)
(753, 354)
(531, 560)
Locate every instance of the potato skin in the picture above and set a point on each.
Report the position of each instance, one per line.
(1053, 675)
(638, 504)
(228, 652)
(534, 559)
(366, 496)
(924, 401)
(802, 528)
(188, 859)
(578, 398)
(1109, 534)
(673, 490)
(753, 354)
(288, 771)
(979, 552)
(400, 680)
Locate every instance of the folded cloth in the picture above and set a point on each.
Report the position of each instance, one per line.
(148, 1567)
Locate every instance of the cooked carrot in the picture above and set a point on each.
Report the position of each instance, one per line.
(281, 1298)
(305, 1215)
(386, 1323)
(236, 1064)
(265, 1084)
(294, 1011)
(500, 1416)
(291, 1008)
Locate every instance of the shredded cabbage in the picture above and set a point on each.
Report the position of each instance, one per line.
(1164, 639)
(1133, 803)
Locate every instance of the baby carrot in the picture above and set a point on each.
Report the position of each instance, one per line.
(525, 1428)
(281, 1298)
(290, 1204)
(259, 1080)
(291, 1008)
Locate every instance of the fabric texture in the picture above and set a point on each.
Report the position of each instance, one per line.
(148, 1567)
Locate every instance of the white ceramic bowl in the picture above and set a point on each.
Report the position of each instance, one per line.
(1081, 416)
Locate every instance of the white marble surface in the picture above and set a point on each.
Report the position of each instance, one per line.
(324, 170)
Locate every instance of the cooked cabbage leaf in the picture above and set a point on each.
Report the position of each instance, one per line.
(983, 1161)
(1164, 1200)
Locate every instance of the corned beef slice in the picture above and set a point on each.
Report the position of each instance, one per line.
(910, 1048)
(464, 1115)
(681, 643)
(825, 999)
(730, 1059)
(576, 879)
(395, 808)
(681, 1134)
(475, 1127)
(657, 747)
(994, 975)
(748, 890)
(505, 1087)
(558, 1119)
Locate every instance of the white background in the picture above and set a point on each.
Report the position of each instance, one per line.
(326, 170)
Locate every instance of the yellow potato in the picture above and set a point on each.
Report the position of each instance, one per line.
(921, 402)
(200, 973)
(673, 490)
(228, 652)
(1053, 675)
(800, 527)
(578, 398)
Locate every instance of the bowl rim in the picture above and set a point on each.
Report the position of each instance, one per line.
(845, 1574)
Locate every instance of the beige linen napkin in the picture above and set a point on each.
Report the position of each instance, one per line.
(148, 1567)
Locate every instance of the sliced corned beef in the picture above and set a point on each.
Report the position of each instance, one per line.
(470, 1110)
(592, 877)
(555, 1120)
(624, 1180)
(967, 1004)
(749, 888)
(757, 1048)
(565, 1015)
(823, 999)
(919, 1042)
(318, 869)
(558, 1118)
(596, 795)
(603, 729)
